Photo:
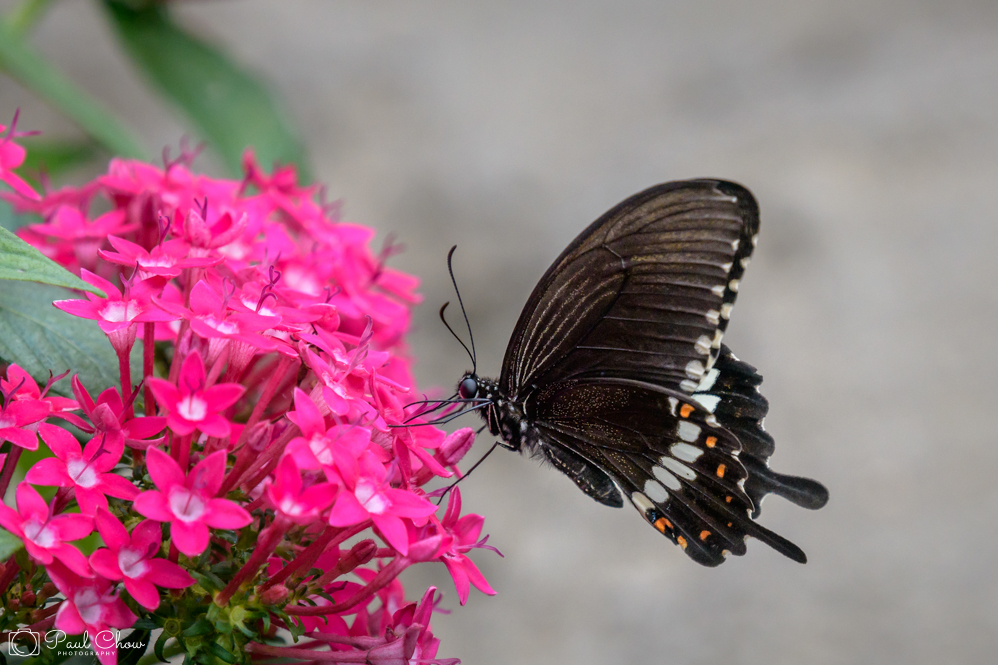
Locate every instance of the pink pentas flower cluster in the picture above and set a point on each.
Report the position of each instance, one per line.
(266, 478)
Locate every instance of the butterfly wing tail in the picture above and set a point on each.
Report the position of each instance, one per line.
(762, 480)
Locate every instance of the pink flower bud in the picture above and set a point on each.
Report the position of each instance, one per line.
(275, 595)
(455, 446)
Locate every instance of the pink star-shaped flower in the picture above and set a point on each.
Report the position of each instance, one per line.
(167, 259)
(192, 407)
(301, 506)
(118, 314)
(320, 447)
(133, 559)
(91, 606)
(462, 536)
(188, 503)
(19, 415)
(20, 386)
(368, 496)
(109, 416)
(46, 537)
(87, 470)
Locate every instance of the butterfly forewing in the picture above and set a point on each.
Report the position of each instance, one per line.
(643, 293)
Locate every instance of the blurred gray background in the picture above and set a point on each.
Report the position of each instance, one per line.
(867, 130)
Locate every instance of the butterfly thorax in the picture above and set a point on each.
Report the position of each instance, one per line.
(505, 418)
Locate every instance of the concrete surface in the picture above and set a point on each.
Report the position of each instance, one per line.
(868, 131)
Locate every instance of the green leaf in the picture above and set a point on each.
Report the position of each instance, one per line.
(9, 543)
(39, 338)
(21, 262)
(158, 647)
(228, 106)
(23, 17)
(220, 652)
(23, 63)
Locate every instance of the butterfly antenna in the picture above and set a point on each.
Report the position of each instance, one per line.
(473, 467)
(450, 268)
(442, 318)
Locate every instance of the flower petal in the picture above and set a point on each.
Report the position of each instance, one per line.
(111, 530)
(51, 472)
(347, 510)
(206, 477)
(153, 504)
(394, 531)
(143, 591)
(105, 564)
(63, 444)
(165, 472)
(168, 574)
(224, 514)
(191, 538)
(117, 486)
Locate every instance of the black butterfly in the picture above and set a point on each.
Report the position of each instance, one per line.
(616, 373)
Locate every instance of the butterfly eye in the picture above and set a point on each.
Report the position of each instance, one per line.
(468, 387)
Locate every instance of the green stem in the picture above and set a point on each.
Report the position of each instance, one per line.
(25, 65)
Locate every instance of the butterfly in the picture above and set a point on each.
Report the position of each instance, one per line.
(616, 374)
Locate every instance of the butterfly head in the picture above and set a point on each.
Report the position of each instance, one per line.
(468, 387)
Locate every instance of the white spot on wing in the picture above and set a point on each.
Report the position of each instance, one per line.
(726, 267)
(718, 290)
(726, 310)
(745, 262)
(718, 334)
(703, 345)
(733, 285)
(711, 420)
(713, 316)
(708, 402)
(707, 382)
(673, 403)
(667, 478)
(655, 491)
(688, 386)
(678, 468)
(685, 452)
(688, 431)
(694, 369)
(641, 502)
(735, 243)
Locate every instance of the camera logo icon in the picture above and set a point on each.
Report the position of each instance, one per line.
(25, 642)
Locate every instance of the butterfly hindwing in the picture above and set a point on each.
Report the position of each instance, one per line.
(666, 453)
(645, 292)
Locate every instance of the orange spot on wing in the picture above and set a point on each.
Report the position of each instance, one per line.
(662, 524)
(720, 470)
(728, 499)
(704, 535)
(711, 441)
(686, 410)
(681, 541)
